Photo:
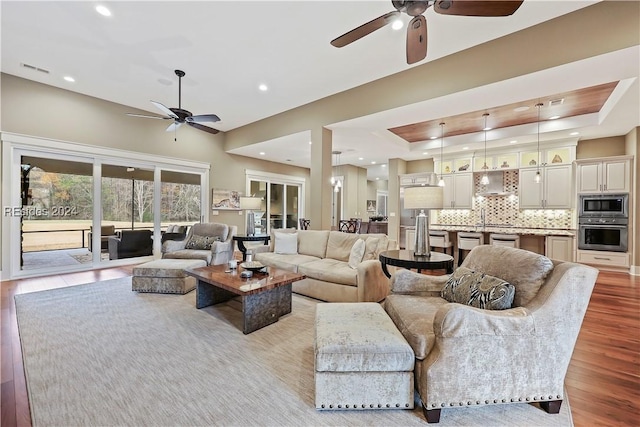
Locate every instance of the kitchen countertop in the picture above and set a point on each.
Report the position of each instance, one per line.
(505, 230)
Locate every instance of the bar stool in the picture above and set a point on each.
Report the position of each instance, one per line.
(510, 240)
(440, 239)
(468, 241)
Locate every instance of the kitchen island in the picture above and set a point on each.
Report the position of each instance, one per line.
(553, 242)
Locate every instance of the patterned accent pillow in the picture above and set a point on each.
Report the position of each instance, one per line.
(479, 290)
(201, 242)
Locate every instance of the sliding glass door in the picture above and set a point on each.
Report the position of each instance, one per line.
(73, 207)
(55, 211)
(281, 200)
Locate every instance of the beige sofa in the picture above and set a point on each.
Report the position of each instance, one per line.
(468, 356)
(322, 256)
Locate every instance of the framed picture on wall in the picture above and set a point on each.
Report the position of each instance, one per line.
(225, 199)
(371, 205)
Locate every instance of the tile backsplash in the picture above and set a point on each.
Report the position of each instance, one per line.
(502, 210)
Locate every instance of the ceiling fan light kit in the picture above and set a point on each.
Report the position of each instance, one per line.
(180, 115)
(417, 28)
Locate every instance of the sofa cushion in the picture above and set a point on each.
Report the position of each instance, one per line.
(197, 241)
(478, 290)
(340, 244)
(202, 254)
(272, 233)
(286, 243)
(526, 270)
(284, 262)
(313, 242)
(330, 270)
(357, 252)
(413, 316)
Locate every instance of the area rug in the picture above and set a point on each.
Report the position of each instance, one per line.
(100, 354)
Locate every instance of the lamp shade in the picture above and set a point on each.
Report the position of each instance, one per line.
(425, 197)
(250, 203)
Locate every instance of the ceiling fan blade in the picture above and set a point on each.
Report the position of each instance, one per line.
(173, 126)
(203, 118)
(417, 39)
(149, 117)
(477, 7)
(363, 30)
(165, 110)
(203, 127)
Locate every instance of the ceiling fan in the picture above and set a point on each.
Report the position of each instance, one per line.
(417, 29)
(180, 116)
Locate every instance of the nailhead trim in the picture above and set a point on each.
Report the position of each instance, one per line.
(364, 405)
(504, 400)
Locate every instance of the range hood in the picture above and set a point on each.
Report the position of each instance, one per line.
(495, 186)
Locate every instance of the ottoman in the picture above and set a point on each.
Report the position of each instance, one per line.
(362, 361)
(165, 276)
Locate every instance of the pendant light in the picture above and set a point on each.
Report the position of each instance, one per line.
(538, 177)
(441, 181)
(485, 177)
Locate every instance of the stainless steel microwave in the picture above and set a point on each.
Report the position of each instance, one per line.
(604, 205)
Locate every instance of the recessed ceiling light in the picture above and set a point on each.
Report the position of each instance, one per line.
(69, 79)
(513, 141)
(263, 87)
(397, 24)
(521, 109)
(425, 153)
(373, 163)
(465, 148)
(554, 117)
(102, 10)
(360, 158)
(377, 178)
(487, 128)
(310, 142)
(262, 153)
(384, 166)
(434, 137)
(574, 133)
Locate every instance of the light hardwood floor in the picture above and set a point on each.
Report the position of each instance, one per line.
(603, 382)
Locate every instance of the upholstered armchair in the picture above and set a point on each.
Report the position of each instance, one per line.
(211, 242)
(469, 356)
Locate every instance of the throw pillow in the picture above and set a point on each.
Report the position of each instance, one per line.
(370, 248)
(286, 243)
(201, 242)
(478, 290)
(357, 252)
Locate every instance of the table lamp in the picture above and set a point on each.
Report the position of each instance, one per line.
(423, 198)
(250, 204)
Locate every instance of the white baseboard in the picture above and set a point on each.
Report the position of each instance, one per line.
(634, 270)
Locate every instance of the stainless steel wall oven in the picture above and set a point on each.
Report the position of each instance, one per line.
(603, 222)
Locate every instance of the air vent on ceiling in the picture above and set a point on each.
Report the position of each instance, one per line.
(554, 102)
(34, 68)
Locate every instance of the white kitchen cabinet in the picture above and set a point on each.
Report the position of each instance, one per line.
(559, 247)
(458, 191)
(604, 176)
(552, 192)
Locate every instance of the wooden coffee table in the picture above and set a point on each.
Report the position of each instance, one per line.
(265, 297)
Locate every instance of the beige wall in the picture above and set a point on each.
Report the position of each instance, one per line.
(601, 147)
(632, 148)
(419, 166)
